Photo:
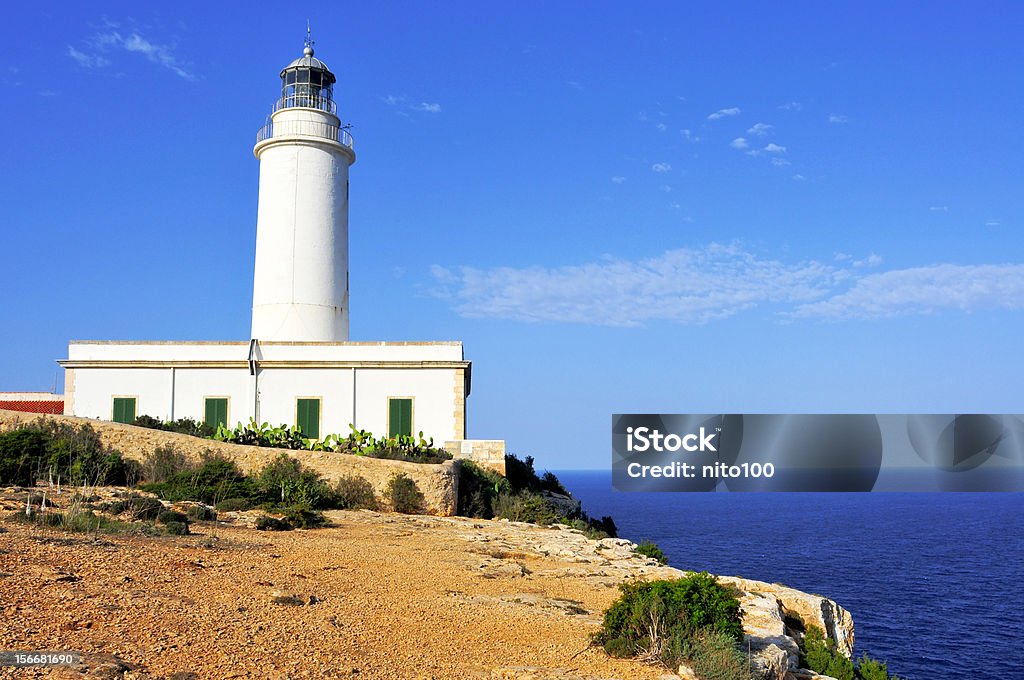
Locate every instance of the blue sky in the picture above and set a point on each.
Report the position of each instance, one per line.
(793, 207)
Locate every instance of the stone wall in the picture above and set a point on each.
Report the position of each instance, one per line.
(487, 453)
(439, 483)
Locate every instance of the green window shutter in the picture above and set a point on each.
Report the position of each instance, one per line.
(124, 409)
(399, 417)
(307, 417)
(216, 412)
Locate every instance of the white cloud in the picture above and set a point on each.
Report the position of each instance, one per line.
(661, 127)
(871, 260)
(687, 286)
(428, 107)
(774, 148)
(675, 206)
(87, 60)
(780, 162)
(392, 100)
(618, 179)
(798, 177)
(688, 135)
(791, 106)
(661, 167)
(739, 143)
(666, 188)
(724, 113)
(836, 118)
(939, 208)
(924, 290)
(103, 44)
(993, 222)
(760, 129)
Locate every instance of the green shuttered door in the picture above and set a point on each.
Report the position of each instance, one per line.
(124, 409)
(216, 412)
(399, 417)
(307, 417)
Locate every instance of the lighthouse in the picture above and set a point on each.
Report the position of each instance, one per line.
(300, 287)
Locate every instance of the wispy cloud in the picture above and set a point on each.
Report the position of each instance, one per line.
(759, 129)
(661, 127)
(739, 143)
(799, 178)
(661, 167)
(724, 113)
(87, 60)
(768, 149)
(666, 188)
(939, 208)
(103, 45)
(993, 222)
(618, 179)
(393, 100)
(428, 107)
(836, 118)
(780, 162)
(791, 106)
(688, 135)
(689, 286)
(924, 290)
(700, 285)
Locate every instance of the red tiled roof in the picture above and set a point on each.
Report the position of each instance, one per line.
(55, 406)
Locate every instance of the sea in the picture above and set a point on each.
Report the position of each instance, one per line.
(934, 581)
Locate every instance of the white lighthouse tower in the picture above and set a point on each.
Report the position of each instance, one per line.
(300, 288)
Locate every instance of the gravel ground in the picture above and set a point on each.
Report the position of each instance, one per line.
(374, 596)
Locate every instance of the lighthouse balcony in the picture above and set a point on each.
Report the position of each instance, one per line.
(305, 128)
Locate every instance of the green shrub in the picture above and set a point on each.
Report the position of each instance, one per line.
(525, 506)
(200, 513)
(715, 656)
(820, 655)
(283, 480)
(353, 493)
(268, 523)
(304, 517)
(143, 507)
(215, 480)
(651, 549)
(70, 452)
(479, 489)
(870, 669)
(692, 619)
(234, 505)
(168, 516)
(164, 463)
(177, 528)
(405, 496)
(522, 476)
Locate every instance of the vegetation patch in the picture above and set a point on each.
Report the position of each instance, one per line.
(68, 453)
(650, 549)
(692, 620)
(404, 495)
(818, 653)
(355, 493)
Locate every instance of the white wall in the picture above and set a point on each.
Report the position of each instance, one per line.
(431, 388)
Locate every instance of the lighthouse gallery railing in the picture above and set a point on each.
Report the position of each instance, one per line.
(304, 128)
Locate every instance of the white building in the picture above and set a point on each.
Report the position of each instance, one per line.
(298, 368)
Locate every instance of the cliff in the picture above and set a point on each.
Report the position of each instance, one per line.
(374, 596)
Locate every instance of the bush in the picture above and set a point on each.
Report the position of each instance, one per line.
(304, 517)
(522, 477)
(200, 513)
(164, 463)
(820, 655)
(284, 480)
(216, 479)
(405, 496)
(268, 523)
(181, 426)
(63, 451)
(234, 505)
(479, 489)
(687, 620)
(353, 493)
(525, 506)
(143, 507)
(177, 528)
(169, 516)
(651, 549)
(714, 656)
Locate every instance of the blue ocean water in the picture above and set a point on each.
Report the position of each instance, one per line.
(934, 581)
